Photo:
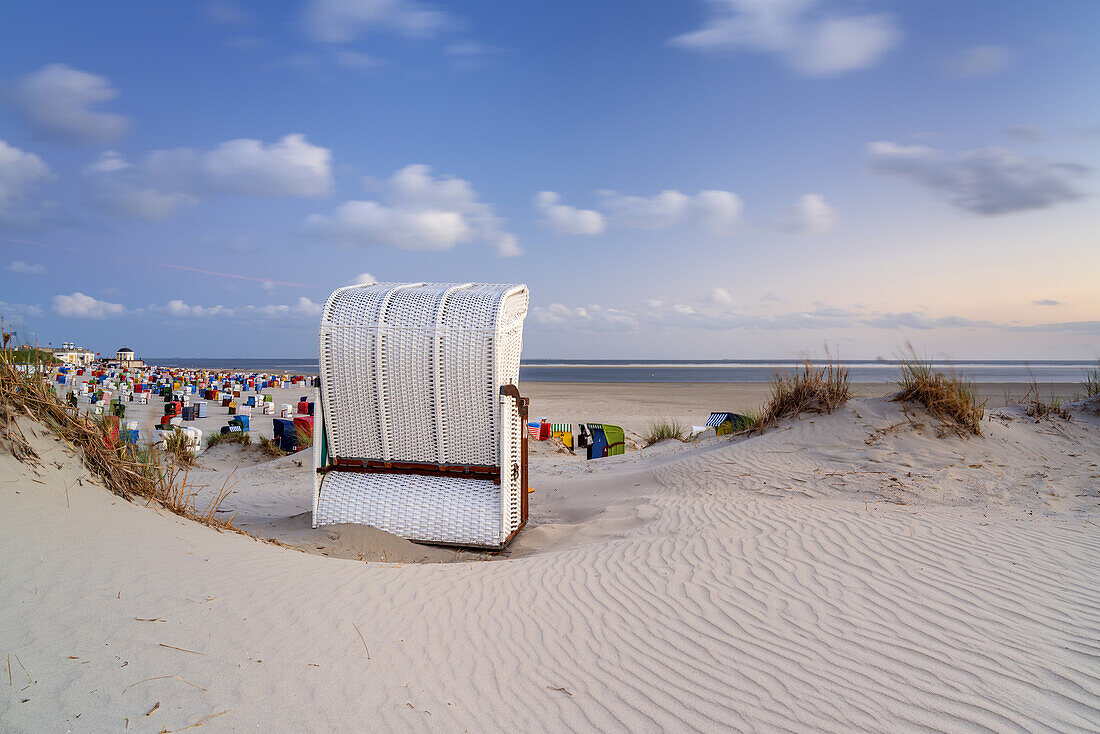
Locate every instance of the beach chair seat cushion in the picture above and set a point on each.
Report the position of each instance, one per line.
(448, 510)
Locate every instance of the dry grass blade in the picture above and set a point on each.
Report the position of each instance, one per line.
(163, 677)
(24, 667)
(811, 389)
(200, 722)
(353, 624)
(945, 396)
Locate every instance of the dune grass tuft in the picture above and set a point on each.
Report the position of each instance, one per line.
(305, 438)
(662, 429)
(240, 437)
(270, 447)
(1091, 381)
(175, 446)
(753, 416)
(1037, 407)
(945, 396)
(811, 389)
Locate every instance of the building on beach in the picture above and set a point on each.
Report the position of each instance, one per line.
(72, 354)
(124, 358)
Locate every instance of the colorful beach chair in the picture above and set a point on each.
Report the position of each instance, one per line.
(606, 440)
(725, 423)
(420, 427)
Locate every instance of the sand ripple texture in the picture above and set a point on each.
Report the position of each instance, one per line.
(723, 606)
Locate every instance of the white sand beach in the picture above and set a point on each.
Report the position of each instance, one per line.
(843, 572)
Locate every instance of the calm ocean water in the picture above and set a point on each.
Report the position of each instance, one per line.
(741, 370)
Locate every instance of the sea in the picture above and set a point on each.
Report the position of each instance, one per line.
(698, 370)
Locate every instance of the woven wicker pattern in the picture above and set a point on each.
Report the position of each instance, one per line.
(447, 510)
(412, 372)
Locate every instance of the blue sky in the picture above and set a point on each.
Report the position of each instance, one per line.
(688, 178)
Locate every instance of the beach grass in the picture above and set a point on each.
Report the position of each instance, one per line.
(811, 389)
(753, 416)
(214, 439)
(176, 448)
(662, 429)
(1090, 380)
(305, 438)
(1036, 406)
(946, 396)
(270, 447)
(127, 470)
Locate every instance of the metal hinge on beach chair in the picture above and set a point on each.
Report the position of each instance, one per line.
(419, 430)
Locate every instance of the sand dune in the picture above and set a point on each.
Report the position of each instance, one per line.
(844, 572)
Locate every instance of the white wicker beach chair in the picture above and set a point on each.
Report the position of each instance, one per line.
(419, 429)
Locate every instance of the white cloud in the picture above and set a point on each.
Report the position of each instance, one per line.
(720, 297)
(810, 215)
(20, 173)
(303, 308)
(20, 312)
(719, 311)
(814, 38)
(716, 211)
(716, 312)
(365, 279)
(419, 212)
(665, 209)
(156, 188)
(340, 21)
(22, 268)
(290, 167)
(583, 318)
(356, 223)
(986, 181)
(978, 61)
(56, 102)
(566, 219)
(307, 307)
(135, 202)
(179, 309)
(80, 306)
(165, 181)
